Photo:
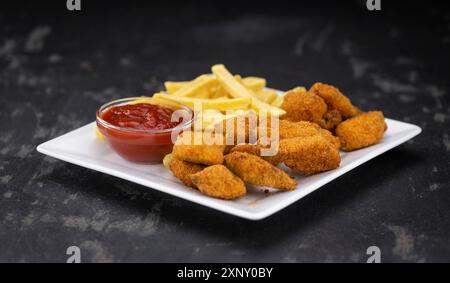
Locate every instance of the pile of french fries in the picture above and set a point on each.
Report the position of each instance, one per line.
(221, 95)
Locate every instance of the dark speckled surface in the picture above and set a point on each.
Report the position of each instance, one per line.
(57, 67)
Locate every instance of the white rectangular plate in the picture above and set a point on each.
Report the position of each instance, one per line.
(82, 148)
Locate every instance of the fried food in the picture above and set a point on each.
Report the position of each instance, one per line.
(309, 155)
(166, 160)
(314, 125)
(244, 129)
(219, 182)
(288, 129)
(361, 131)
(207, 103)
(183, 170)
(305, 129)
(237, 90)
(330, 120)
(335, 99)
(257, 171)
(255, 149)
(197, 86)
(237, 129)
(191, 146)
(303, 106)
(266, 95)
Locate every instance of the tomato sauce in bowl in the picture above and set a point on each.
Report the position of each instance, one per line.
(142, 132)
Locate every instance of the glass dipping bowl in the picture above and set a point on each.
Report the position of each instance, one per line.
(142, 145)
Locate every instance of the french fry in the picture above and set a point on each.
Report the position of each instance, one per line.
(237, 90)
(254, 83)
(198, 87)
(278, 101)
(217, 104)
(266, 95)
(167, 159)
(211, 117)
(217, 91)
(172, 87)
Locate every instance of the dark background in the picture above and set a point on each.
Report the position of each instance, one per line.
(58, 66)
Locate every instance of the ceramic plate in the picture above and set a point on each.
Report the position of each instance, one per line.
(82, 148)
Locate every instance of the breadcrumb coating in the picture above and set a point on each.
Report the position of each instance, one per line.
(309, 155)
(257, 171)
(187, 149)
(183, 170)
(361, 131)
(219, 182)
(330, 120)
(303, 106)
(335, 99)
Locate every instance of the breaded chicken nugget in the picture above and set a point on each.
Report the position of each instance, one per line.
(255, 149)
(303, 106)
(333, 140)
(217, 181)
(183, 170)
(361, 131)
(288, 129)
(309, 155)
(193, 148)
(335, 99)
(257, 171)
(330, 120)
(305, 129)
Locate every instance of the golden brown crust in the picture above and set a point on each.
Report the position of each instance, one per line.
(183, 169)
(335, 99)
(303, 106)
(309, 154)
(188, 150)
(305, 129)
(333, 140)
(219, 182)
(288, 129)
(330, 120)
(257, 171)
(361, 131)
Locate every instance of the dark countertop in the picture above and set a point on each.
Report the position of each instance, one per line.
(57, 67)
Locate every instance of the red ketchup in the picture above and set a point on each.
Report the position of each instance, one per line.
(141, 132)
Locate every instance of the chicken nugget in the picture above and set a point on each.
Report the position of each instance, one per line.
(330, 120)
(183, 170)
(303, 106)
(335, 99)
(257, 171)
(288, 129)
(309, 155)
(255, 149)
(305, 129)
(361, 131)
(193, 148)
(333, 140)
(217, 181)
